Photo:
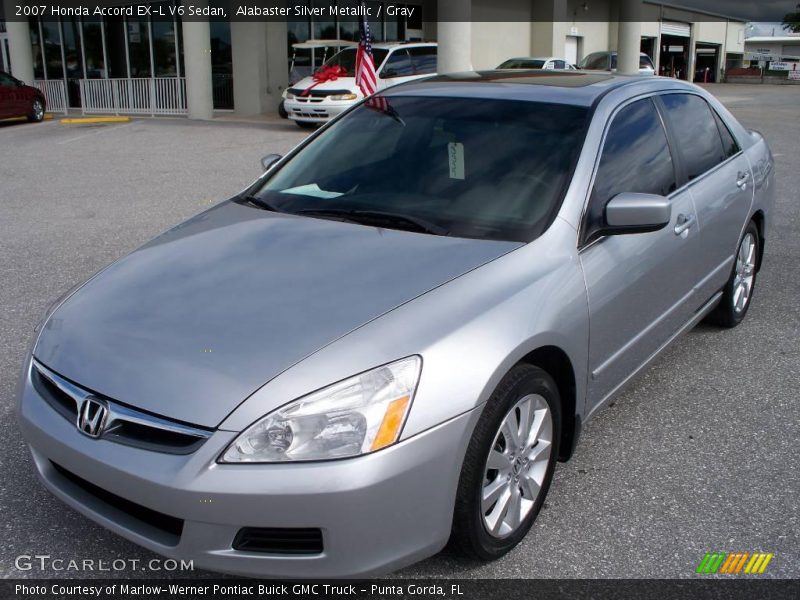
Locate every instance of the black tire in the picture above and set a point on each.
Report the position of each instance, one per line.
(306, 125)
(282, 111)
(726, 314)
(37, 111)
(470, 535)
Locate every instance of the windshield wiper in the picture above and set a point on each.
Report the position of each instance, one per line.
(258, 203)
(377, 218)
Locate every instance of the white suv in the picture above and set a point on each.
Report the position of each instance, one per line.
(394, 62)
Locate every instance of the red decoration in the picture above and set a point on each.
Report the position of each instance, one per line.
(329, 73)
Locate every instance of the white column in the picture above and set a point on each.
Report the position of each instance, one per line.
(197, 58)
(455, 46)
(454, 36)
(629, 37)
(19, 46)
(249, 52)
(260, 66)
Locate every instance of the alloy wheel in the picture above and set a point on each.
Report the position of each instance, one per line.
(516, 466)
(744, 273)
(38, 110)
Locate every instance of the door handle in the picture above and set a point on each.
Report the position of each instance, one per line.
(683, 223)
(742, 178)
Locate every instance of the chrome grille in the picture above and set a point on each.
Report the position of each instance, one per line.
(124, 425)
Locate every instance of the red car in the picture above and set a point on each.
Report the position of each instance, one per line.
(20, 100)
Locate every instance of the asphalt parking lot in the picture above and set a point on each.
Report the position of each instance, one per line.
(700, 455)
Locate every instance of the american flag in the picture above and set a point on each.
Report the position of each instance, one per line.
(366, 80)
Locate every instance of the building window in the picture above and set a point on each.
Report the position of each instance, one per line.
(222, 65)
(51, 38)
(165, 54)
(36, 48)
(139, 47)
(73, 55)
(116, 47)
(93, 49)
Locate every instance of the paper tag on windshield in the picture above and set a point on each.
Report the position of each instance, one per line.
(455, 156)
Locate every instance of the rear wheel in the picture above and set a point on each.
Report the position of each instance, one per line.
(509, 464)
(37, 111)
(738, 292)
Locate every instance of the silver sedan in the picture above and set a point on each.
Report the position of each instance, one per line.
(388, 340)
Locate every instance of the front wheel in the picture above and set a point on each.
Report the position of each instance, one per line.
(509, 464)
(738, 291)
(37, 111)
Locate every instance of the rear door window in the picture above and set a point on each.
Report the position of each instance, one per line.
(729, 144)
(423, 60)
(397, 65)
(696, 132)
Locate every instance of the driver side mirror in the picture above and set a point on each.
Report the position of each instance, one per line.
(637, 213)
(387, 73)
(269, 160)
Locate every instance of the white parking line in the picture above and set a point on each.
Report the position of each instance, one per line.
(103, 129)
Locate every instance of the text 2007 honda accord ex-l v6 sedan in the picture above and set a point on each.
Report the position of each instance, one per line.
(387, 341)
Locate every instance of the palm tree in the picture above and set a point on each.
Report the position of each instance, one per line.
(792, 21)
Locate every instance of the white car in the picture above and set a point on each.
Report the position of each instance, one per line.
(548, 63)
(607, 61)
(317, 99)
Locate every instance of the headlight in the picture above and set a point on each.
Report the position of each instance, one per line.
(343, 97)
(356, 416)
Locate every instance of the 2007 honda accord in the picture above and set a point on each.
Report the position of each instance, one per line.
(388, 340)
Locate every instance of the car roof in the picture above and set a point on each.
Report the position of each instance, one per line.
(579, 88)
(614, 53)
(393, 45)
(531, 58)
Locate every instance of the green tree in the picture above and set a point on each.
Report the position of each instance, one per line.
(792, 21)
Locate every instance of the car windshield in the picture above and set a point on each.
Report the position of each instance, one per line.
(347, 59)
(522, 63)
(465, 167)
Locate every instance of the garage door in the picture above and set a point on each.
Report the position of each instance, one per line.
(675, 28)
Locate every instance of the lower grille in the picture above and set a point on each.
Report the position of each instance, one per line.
(167, 529)
(279, 540)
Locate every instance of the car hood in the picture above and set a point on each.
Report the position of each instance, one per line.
(341, 83)
(192, 323)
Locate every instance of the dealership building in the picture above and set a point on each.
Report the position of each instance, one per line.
(162, 64)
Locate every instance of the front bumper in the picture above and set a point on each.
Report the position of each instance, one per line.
(377, 512)
(315, 109)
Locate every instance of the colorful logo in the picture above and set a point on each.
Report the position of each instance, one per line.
(734, 563)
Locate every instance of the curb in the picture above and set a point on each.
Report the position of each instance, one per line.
(81, 120)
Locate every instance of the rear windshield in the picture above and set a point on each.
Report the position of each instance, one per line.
(347, 59)
(521, 63)
(477, 168)
(644, 62)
